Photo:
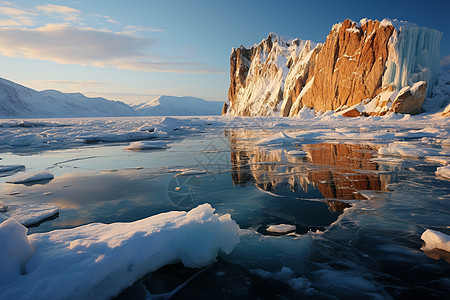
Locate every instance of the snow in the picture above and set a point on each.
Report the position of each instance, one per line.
(29, 214)
(435, 239)
(26, 140)
(297, 153)
(146, 145)
(31, 177)
(97, 261)
(443, 172)
(281, 228)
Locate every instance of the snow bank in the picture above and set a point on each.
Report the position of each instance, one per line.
(146, 145)
(281, 228)
(97, 261)
(31, 177)
(14, 252)
(435, 239)
(29, 214)
(443, 171)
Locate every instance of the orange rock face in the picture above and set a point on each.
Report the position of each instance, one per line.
(349, 68)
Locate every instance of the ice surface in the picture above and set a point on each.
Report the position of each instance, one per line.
(146, 145)
(435, 239)
(26, 140)
(29, 214)
(281, 228)
(443, 172)
(31, 177)
(97, 261)
(297, 153)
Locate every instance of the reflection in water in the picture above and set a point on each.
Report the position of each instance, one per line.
(337, 171)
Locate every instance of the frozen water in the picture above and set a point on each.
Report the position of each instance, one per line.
(435, 239)
(281, 228)
(444, 172)
(146, 145)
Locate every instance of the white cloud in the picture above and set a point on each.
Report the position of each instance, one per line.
(86, 46)
(16, 22)
(67, 13)
(11, 11)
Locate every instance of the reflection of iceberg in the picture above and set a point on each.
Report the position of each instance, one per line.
(330, 170)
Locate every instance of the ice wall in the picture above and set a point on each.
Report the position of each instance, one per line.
(413, 56)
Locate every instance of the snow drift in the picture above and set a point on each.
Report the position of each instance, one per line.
(97, 261)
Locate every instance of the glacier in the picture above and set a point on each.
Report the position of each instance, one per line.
(413, 56)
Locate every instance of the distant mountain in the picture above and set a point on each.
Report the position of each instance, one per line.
(178, 106)
(18, 101)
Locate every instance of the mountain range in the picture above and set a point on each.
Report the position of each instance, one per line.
(18, 101)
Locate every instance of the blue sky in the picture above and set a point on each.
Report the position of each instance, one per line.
(134, 50)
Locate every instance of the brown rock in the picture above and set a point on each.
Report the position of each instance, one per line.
(352, 113)
(446, 112)
(410, 99)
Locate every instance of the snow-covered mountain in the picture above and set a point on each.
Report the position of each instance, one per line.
(178, 106)
(18, 101)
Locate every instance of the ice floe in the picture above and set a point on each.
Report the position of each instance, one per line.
(281, 228)
(435, 239)
(97, 261)
(31, 177)
(443, 171)
(8, 168)
(146, 145)
(30, 214)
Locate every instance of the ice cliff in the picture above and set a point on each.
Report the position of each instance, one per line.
(390, 65)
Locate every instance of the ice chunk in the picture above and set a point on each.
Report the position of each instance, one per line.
(407, 149)
(281, 228)
(14, 252)
(275, 139)
(7, 168)
(26, 140)
(297, 153)
(29, 214)
(443, 171)
(31, 177)
(435, 239)
(97, 261)
(146, 145)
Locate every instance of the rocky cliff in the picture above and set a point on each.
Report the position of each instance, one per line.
(385, 66)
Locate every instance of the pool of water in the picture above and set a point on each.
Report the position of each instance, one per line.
(358, 218)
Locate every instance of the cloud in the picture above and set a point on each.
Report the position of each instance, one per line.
(17, 21)
(67, 13)
(11, 11)
(133, 28)
(66, 44)
(70, 83)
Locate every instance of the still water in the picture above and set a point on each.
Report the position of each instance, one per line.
(358, 218)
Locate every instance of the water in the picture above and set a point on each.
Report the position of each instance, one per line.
(358, 218)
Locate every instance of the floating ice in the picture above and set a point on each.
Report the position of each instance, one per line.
(31, 177)
(146, 145)
(407, 149)
(435, 239)
(26, 140)
(443, 171)
(281, 228)
(97, 261)
(29, 214)
(297, 153)
(119, 137)
(7, 168)
(275, 139)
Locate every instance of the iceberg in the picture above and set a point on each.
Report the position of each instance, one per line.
(97, 261)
